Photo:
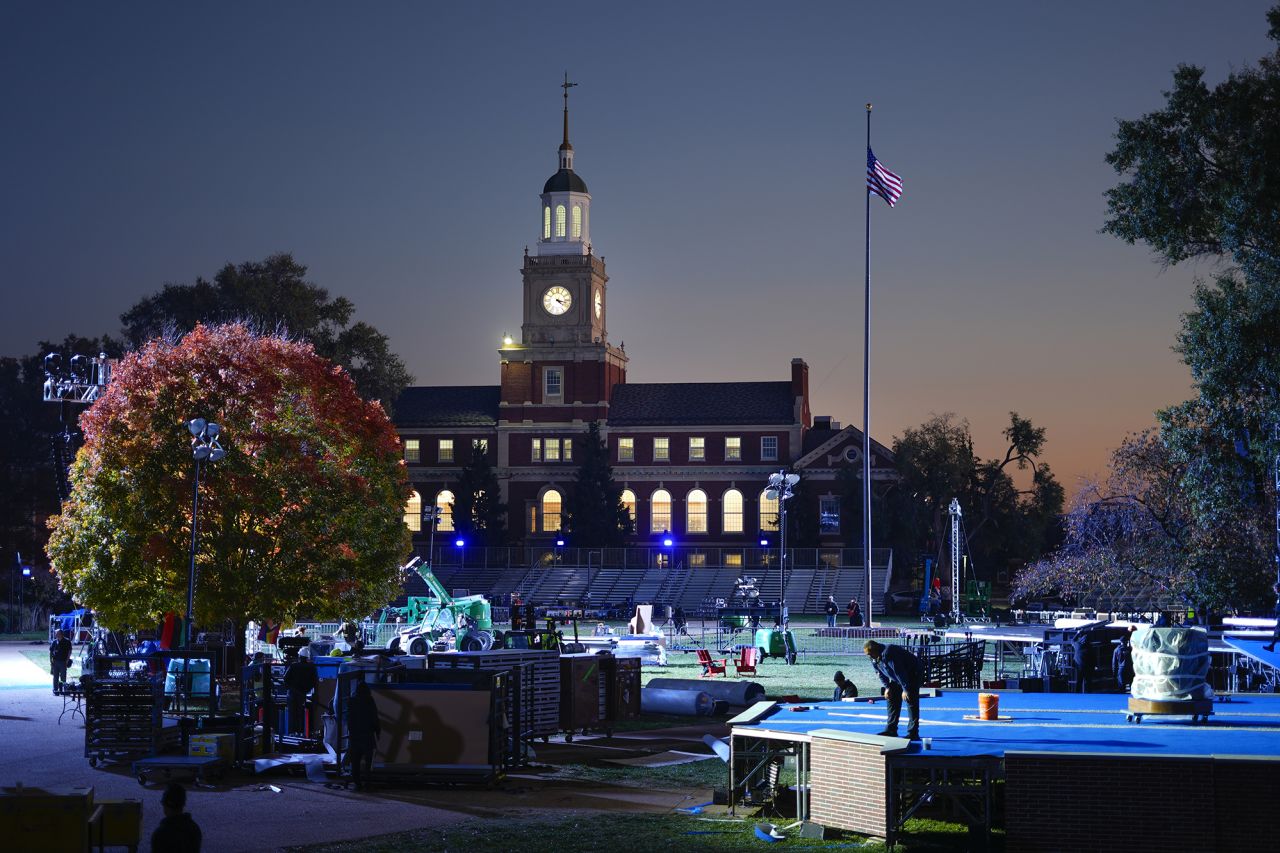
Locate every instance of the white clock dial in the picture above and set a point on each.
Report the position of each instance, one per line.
(599, 305)
(556, 300)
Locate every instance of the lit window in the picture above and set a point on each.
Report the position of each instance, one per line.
(559, 220)
(577, 222)
(479, 447)
(535, 451)
(661, 450)
(546, 223)
(829, 515)
(444, 503)
(697, 449)
(568, 450)
(626, 450)
(551, 450)
(550, 511)
(660, 511)
(769, 448)
(768, 513)
(629, 501)
(533, 519)
(553, 382)
(731, 521)
(446, 450)
(412, 450)
(732, 449)
(413, 512)
(697, 560)
(733, 560)
(695, 511)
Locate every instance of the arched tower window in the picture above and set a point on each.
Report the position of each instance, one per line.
(413, 512)
(695, 511)
(768, 513)
(444, 503)
(660, 511)
(577, 222)
(731, 515)
(551, 503)
(629, 501)
(546, 222)
(559, 220)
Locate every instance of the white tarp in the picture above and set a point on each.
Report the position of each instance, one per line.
(1170, 664)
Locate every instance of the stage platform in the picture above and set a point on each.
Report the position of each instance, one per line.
(1064, 757)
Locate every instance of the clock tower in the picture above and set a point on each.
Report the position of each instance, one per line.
(563, 369)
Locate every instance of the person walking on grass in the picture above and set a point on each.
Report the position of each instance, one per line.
(901, 676)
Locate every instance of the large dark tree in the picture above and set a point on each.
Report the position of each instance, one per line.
(594, 514)
(1202, 175)
(1004, 522)
(273, 296)
(478, 513)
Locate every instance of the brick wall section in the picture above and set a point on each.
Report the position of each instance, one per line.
(848, 785)
(1088, 802)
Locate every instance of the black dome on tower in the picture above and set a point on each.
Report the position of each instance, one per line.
(565, 181)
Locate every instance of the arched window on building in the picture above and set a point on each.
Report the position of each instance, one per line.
(546, 222)
(577, 222)
(444, 503)
(629, 501)
(413, 513)
(660, 511)
(559, 220)
(731, 517)
(695, 512)
(768, 513)
(551, 503)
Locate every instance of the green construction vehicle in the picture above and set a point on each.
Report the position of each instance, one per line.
(433, 619)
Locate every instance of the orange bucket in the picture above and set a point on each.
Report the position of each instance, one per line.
(988, 706)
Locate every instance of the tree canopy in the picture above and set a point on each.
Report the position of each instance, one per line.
(1202, 175)
(273, 297)
(1004, 522)
(303, 516)
(594, 514)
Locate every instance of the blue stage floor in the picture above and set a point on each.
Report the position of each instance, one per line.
(1051, 722)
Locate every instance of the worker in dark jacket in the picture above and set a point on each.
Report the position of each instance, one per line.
(363, 729)
(177, 832)
(60, 660)
(845, 689)
(832, 609)
(300, 679)
(901, 675)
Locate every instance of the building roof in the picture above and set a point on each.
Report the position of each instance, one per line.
(696, 403)
(565, 181)
(448, 406)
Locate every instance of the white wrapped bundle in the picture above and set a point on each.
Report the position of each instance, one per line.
(1170, 664)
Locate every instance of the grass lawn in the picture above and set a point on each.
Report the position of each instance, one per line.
(631, 833)
(809, 678)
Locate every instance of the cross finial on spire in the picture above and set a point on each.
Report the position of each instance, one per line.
(566, 85)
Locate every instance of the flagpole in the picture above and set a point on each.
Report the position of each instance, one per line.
(866, 395)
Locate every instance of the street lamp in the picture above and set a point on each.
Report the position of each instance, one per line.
(780, 489)
(204, 448)
(431, 514)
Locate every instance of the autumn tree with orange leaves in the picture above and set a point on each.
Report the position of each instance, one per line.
(304, 516)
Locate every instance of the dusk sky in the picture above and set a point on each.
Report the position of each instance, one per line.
(398, 149)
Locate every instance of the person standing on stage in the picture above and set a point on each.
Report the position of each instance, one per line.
(901, 676)
(1275, 632)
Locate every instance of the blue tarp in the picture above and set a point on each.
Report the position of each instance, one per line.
(67, 621)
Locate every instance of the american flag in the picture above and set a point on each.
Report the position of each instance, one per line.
(881, 181)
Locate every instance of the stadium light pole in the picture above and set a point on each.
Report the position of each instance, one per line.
(780, 488)
(205, 447)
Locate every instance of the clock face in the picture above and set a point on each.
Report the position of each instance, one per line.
(556, 300)
(599, 304)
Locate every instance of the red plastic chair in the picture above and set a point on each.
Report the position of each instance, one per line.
(745, 663)
(711, 666)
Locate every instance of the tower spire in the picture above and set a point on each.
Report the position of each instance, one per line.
(566, 85)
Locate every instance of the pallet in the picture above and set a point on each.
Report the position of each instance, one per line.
(1199, 710)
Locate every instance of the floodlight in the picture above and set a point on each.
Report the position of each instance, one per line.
(560, 543)
(668, 542)
(196, 426)
(212, 430)
(792, 479)
(201, 452)
(53, 363)
(26, 571)
(459, 542)
(764, 543)
(216, 453)
(771, 494)
(79, 368)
